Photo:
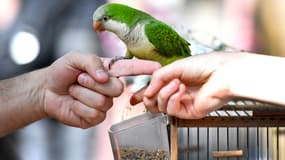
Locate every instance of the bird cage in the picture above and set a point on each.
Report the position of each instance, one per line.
(240, 130)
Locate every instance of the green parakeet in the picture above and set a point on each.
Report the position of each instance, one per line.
(145, 37)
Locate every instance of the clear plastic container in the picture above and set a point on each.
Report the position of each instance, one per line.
(144, 137)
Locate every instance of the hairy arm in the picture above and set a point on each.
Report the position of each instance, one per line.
(20, 100)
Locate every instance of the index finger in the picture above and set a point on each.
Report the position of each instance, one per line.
(137, 97)
(132, 67)
(162, 77)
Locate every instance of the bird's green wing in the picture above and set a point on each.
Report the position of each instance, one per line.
(166, 40)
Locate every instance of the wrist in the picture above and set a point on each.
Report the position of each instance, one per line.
(246, 73)
(229, 73)
(39, 78)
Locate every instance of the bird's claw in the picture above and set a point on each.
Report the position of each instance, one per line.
(115, 59)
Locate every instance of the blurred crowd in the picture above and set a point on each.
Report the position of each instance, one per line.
(33, 33)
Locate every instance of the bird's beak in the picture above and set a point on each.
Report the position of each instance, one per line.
(98, 27)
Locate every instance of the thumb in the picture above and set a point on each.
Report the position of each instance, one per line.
(91, 64)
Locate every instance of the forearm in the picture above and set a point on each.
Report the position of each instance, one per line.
(20, 101)
(259, 77)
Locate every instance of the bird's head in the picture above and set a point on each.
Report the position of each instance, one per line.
(117, 18)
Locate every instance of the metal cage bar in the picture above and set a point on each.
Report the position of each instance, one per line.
(249, 129)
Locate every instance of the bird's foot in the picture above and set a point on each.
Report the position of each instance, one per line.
(115, 59)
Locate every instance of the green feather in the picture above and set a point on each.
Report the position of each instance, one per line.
(166, 40)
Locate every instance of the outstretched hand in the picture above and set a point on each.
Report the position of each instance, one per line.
(189, 88)
(80, 90)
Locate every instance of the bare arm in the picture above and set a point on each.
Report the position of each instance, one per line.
(20, 98)
(259, 77)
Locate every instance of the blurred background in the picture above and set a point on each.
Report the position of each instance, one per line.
(33, 33)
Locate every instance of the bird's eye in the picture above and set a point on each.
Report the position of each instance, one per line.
(105, 18)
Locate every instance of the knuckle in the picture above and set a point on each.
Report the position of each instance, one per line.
(116, 86)
(100, 102)
(173, 101)
(109, 103)
(93, 116)
(151, 105)
(171, 113)
(74, 91)
(163, 96)
(106, 106)
(155, 74)
(147, 102)
(95, 59)
(84, 126)
(96, 117)
(198, 113)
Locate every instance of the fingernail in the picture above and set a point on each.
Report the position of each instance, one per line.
(102, 74)
(82, 78)
(133, 100)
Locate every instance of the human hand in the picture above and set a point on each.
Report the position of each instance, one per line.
(192, 87)
(79, 90)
